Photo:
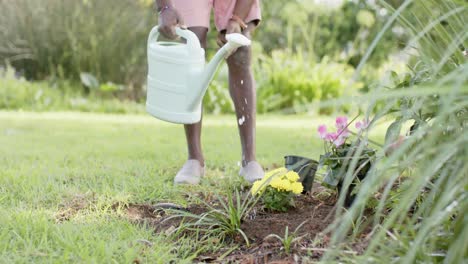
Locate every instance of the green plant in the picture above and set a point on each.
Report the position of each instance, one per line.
(217, 98)
(289, 239)
(189, 246)
(16, 93)
(63, 39)
(291, 81)
(341, 30)
(421, 218)
(224, 222)
(278, 189)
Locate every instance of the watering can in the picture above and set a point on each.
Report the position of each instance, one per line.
(178, 75)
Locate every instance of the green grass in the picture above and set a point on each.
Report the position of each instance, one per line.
(49, 159)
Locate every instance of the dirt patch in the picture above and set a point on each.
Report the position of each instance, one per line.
(143, 213)
(159, 215)
(314, 211)
(72, 206)
(313, 214)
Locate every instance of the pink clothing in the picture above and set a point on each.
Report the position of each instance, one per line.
(196, 13)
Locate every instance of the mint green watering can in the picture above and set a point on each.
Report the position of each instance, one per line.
(178, 75)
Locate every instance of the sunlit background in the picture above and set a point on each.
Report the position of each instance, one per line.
(91, 55)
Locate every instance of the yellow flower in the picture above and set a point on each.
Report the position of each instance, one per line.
(276, 172)
(280, 179)
(281, 184)
(260, 186)
(276, 183)
(292, 176)
(297, 187)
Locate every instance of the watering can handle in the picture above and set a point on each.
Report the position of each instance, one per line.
(192, 39)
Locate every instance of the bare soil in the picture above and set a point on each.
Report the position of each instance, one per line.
(69, 208)
(315, 213)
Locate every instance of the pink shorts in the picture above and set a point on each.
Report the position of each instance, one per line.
(196, 13)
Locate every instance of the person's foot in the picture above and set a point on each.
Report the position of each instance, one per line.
(252, 172)
(190, 173)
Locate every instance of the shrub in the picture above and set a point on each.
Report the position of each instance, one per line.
(217, 99)
(64, 38)
(18, 93)
(342, 30)
(292, 82)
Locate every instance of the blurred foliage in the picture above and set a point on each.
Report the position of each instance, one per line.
(64, 38)
(293, 82)
(217, 99)
(287, 82)
(16, 93)
(101, 45)
(340, 30)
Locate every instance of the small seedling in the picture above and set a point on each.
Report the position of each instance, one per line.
(220, 222)
(289, 239)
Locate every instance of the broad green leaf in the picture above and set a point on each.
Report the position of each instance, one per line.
(330, 180)
(393, 132)
(88, 80)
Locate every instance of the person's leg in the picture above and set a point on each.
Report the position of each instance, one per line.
(196, 15)
(243, 93)
(193, 169)
(193, 131)
(242, 85)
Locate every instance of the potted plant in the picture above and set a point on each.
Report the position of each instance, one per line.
(304, 167)
(341, 150)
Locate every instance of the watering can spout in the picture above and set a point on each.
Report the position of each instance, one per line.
(234, 41)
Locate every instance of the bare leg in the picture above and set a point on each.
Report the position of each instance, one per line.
(193, 169)
(243, 94)
(193, 131)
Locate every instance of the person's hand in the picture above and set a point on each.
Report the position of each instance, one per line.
(232, 27)
(169, 18)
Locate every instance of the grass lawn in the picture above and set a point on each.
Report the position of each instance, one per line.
(61, 175)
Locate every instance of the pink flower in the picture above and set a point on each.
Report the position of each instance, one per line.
(343, 133)
(331, 136)
(339, 141)
(322, 130)
(341, 122)
(361, 125)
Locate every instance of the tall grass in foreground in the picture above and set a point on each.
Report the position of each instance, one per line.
(421, 185)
